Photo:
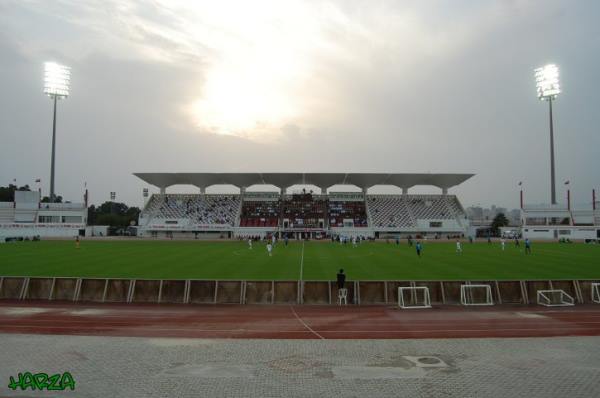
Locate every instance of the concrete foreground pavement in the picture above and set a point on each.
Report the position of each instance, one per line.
(169, 367)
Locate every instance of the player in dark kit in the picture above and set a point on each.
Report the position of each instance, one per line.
(419, 248)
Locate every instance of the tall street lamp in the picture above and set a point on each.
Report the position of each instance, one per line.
(548, 88)
(56, 85)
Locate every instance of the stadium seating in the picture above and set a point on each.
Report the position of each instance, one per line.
(389, 212)
(260, 213)
(403, 211)
(300, 211)
(431, 207)
(199, 209)
(345, 210)
(304, 210)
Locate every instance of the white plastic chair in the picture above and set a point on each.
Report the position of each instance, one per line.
(342, 296)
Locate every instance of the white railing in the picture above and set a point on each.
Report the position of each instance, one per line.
(542, 207)
(62, 206)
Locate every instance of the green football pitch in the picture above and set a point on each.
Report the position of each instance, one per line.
(307, 261)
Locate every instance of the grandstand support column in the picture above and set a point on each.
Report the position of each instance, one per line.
(163, 190)
(444, 191)
(404, 191)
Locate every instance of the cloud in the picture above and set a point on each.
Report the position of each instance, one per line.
(314, 86)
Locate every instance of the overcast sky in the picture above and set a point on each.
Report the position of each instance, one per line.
(301, 86)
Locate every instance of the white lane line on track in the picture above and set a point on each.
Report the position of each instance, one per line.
(302, 262)
(304, 323)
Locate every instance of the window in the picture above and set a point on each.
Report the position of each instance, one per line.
(48, 219)
(535, 221)
(435, 224)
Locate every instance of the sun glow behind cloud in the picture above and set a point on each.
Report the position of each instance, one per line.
(252, 68)
(260, 58)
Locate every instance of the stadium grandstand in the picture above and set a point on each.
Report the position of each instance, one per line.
(28, 217)
(305, 213)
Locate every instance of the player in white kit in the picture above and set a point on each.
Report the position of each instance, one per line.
(458, 247)
(270, 249)
(249, 243)
(502, 244)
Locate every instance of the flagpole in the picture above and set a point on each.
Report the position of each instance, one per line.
(568, 184)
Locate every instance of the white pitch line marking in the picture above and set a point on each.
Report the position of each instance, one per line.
(305, 325)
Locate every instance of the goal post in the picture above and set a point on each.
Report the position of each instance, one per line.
(476, 295)
(414, 297)
(596, 292)
(554, 298)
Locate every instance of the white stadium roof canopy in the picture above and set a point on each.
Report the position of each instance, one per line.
(322, 180)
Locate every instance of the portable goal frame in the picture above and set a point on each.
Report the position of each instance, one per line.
(413, 300)
(554, 298)
(467, 294)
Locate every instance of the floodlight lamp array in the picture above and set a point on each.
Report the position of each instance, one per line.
(57, 79)
(547, 83)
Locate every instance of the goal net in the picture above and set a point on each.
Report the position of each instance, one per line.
(476, 295)
(554, 298)
(414, 297)
(596, 292)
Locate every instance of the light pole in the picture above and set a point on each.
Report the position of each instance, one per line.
(113, 196)
(548, 88)
(56, 85)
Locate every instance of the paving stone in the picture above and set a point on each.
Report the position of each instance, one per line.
(155, 367)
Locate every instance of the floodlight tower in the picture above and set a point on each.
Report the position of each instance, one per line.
(548, 88)
(56, 85)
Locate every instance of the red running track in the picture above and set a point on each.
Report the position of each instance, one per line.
(295, 322)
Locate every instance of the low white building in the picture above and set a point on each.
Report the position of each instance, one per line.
(27, 217)
(559, 221)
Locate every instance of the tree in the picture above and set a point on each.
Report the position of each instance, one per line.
(113, 214)
(57, 199)
(499, 221)
(7, 194)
